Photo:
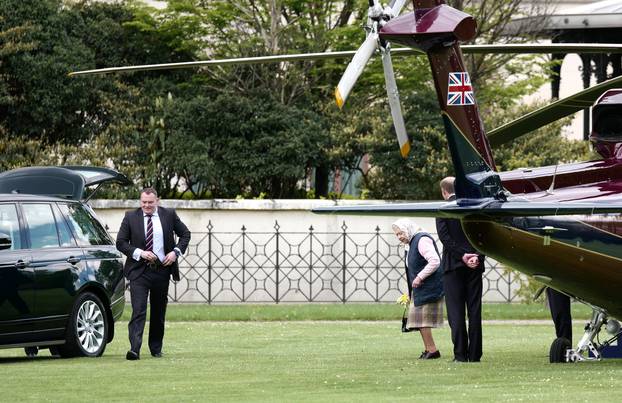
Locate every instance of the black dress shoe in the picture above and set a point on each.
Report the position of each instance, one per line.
(156, 355)
(431, 356)
(132, 356)
(458, 360)
(423, 354)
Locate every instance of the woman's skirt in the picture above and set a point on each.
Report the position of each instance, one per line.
(428, 315)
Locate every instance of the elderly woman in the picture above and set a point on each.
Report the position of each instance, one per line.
(425, 285)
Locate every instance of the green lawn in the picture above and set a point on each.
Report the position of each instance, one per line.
(298, 361)
(295, 312)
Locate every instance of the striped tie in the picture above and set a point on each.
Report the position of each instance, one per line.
(149, 236)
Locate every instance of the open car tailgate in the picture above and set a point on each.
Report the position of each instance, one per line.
(68, 182)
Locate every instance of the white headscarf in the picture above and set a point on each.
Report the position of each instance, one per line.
(408, 227)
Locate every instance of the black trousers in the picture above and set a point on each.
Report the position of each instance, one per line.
(559, 304)
(463, 296)
(153, 283)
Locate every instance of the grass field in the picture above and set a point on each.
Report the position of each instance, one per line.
(296, 312)
(299, 361)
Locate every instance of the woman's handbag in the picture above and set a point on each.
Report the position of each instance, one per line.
(405, 321)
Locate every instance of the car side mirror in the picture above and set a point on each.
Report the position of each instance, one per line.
(5, 241)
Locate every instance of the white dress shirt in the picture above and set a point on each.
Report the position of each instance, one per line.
(158, 237)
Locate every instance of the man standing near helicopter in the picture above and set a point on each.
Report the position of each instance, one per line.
(462, 282)
(559, 304)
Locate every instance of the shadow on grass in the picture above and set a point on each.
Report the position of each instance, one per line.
(21, 360)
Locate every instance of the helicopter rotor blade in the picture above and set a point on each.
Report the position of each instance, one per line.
(376, 17)
(355, 68)
(392, 92)
(580, 48)
(397, 7)
(394, 103)
(375, 13)
(220, 62)
(550, 113)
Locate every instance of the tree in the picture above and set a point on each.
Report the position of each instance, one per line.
(251, 28)
(499, 102)
(493, 18)
(416, 177)
(48, 118)
(14, 151)
(527, 151)
(268, 150)
(41, 101)
(250, 130)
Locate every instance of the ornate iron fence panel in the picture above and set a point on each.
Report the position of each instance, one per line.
(309, 266)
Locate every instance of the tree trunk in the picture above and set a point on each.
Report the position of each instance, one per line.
(321, 181)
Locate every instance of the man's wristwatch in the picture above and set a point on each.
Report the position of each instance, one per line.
(177, 252)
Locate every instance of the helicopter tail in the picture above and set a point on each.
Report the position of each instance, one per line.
(437, 29)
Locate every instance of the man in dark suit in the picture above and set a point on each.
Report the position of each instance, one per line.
(462, 283)
(146, 237)
(559, 304)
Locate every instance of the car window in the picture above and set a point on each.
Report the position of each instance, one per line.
(41, 225)
(87, 229)
(64, 233)
(9, 228)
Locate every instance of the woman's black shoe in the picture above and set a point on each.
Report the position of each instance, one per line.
(431, 356)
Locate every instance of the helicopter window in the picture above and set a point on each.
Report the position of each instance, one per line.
(610, 128)
(608, 124)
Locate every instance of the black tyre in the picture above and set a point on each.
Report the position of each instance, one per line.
(87, 330)
(54, 351)
(558, 350)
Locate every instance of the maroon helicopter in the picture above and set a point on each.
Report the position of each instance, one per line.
(560, 224)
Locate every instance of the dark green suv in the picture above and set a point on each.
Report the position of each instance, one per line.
(61, 277)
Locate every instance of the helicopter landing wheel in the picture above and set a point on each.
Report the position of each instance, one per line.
(558, 350)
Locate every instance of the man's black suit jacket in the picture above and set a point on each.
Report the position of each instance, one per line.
(455, 244)
(132, 235)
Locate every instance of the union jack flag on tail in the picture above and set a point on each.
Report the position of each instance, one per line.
(460, 91)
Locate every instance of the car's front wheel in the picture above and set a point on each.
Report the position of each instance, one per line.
(87, 330)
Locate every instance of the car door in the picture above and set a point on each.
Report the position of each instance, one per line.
(103, 260)
(58, 263)
(17, 285)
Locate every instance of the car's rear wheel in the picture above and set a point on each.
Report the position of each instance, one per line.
(87, 330)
